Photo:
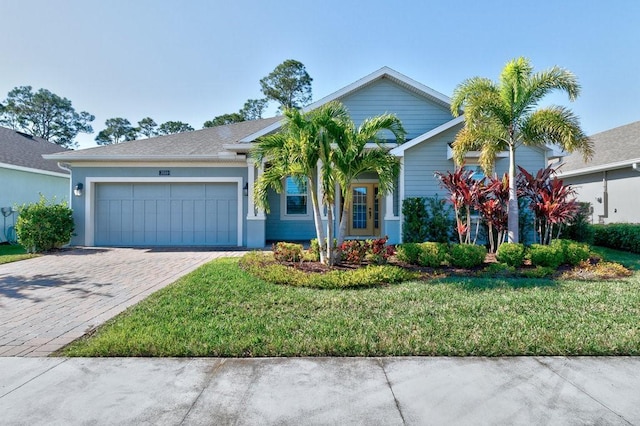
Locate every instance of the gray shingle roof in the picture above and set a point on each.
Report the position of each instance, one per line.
(19, 149)
(208, 142)
(611, 146)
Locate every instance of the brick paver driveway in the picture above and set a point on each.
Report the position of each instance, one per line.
(49, 301)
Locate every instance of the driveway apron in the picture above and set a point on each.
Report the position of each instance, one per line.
(49, 301)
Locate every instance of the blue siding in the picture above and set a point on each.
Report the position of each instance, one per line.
(286, 230)
(418, 115)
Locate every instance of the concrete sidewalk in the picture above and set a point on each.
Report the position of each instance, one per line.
(295, 391)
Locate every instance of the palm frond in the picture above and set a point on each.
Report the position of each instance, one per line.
(556, 125)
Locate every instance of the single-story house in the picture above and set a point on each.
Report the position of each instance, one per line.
(24, 174)
(196, 188)
(608, 180)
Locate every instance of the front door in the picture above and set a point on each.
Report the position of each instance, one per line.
(365, 210)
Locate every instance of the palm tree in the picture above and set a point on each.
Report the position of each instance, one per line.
(304, 143)
(352, 156)
(503, 116)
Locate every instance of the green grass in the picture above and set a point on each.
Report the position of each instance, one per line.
(9, 253)
(625, 258)
(219, 310)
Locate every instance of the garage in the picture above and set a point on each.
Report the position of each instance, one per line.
(166, 214)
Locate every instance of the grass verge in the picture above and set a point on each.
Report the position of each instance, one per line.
(219, 310)
(9, 253)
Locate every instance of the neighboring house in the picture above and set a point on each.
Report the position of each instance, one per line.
(24, 174)
(196, 188)
(610, 180)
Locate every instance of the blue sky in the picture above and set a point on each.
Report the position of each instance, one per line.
(193, 60)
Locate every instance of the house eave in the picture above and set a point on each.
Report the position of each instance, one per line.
(32, 170)
(595, 169)
(232, 157)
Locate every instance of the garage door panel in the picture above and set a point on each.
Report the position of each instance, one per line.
(166, 214)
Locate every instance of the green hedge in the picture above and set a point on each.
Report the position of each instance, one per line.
(619, 236)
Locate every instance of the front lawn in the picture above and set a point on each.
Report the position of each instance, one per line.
(9, 253)
(220, 310)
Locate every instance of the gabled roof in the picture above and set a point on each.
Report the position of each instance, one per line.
(383, 73)
(24, 152)
(204, 144)
(615, 148)
(399, 150)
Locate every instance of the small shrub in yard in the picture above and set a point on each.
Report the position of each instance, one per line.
(498, 270)
(511, 253)
(432, 254)
(599, 271)
(408, 253)
(414, 226)
(538, 272)
(550, 256)
(573, 252)
(466, 255)
(287, 252)
(353, 251)
(378, 252)
(44, 225)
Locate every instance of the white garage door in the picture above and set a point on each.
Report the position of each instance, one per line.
(166, 214)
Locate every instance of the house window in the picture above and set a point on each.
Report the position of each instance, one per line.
(478, 173)
(296, 198)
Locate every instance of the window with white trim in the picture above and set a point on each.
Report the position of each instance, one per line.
(296, 199)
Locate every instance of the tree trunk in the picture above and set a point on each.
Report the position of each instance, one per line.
(513, 197)
(317, 219)
(330, 252)
(344, 217)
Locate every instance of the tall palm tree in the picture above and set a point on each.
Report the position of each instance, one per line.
(303, 143)
(503, 116)
(351, 157)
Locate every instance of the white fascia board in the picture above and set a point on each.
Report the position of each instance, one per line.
(139, 158)
(399, 151)
(32, 170)
(376, 75)
(595, 169)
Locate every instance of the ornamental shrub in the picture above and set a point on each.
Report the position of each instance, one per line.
(573, 252)
(466, 255)
(414, 226)
(353, 251)
(511, 253)
(440, 221)
(44, 225)
(409, 253)
(287, 252)
(549, 256)
(378, 252)
(432, 254)
(580, 228)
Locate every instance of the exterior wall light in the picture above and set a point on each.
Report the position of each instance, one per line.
(77, 190)
(245, 189)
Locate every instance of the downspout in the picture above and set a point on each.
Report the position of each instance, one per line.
(66, 167)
